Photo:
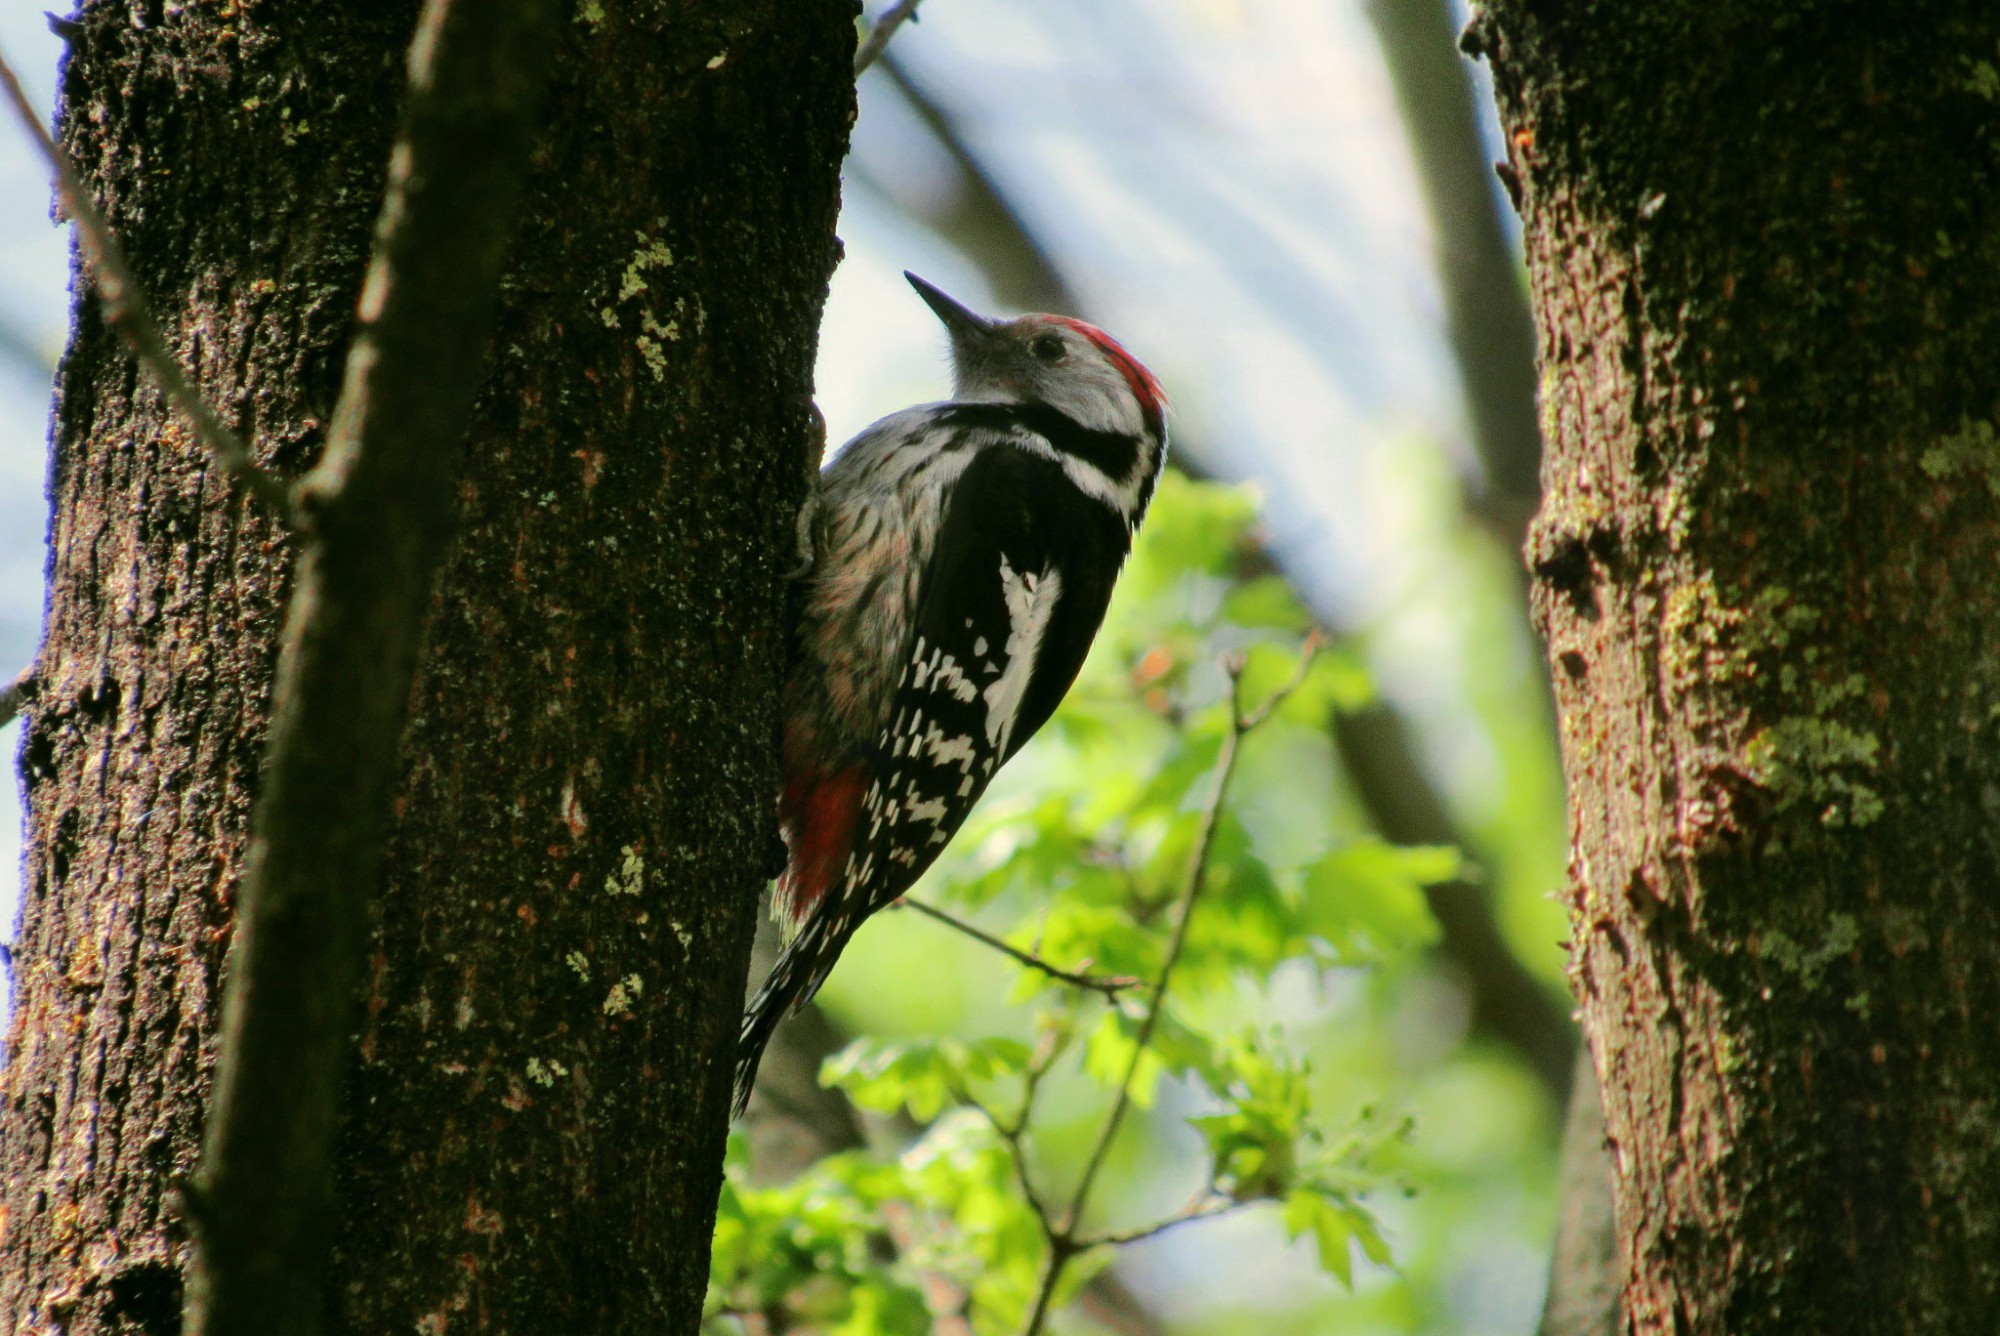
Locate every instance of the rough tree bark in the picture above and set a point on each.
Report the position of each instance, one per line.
(1764, 245)
(565, 913)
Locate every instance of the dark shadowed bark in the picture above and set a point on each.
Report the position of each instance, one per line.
(1764, 244)
(586, 824)
(565, 911)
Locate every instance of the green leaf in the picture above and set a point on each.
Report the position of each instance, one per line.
(887, 1075)
(991, 1058)
(1306, 1210)
(1183, 780)
(1366, 899)
(1243, 925)
(1074, 935)
(1088, 719)
(1015, 846)
(1267, 669)
(1266, 602)
(1258, 1139)
(1107, 1056)
(1337, 680)
(1183, 1049)
(1368, 1234)
(1191, 529)
(924, 1075)
(876, 1309)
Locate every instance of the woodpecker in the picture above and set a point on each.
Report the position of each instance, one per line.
(960, 558)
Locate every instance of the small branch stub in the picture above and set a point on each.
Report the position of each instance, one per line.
(14, 695)
(877, 40)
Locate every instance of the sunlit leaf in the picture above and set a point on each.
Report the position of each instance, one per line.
(1108, 1059)
(1266, 602)
(888, 1075)
(1192, 528)
(1308, 1211)
(1076, 935)
(1367, 899)
(1267, 669)
(1184, 777)
(1244, 925)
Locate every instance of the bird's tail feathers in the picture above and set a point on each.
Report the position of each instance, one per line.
(801, 969)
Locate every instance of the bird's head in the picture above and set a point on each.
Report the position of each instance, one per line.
(1075, 368)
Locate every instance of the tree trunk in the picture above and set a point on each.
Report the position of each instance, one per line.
(1764, 247)
(564, 915)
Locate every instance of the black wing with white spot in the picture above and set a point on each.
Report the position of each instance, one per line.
(1023, 571)
(1018, 587)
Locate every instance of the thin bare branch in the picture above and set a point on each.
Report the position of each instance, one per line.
(877, 40)
(1205, 1208)
(15, 694)
(1249, 722)
(1014, 1134)
(1197, 881)
(1108, 984)
(125, 310)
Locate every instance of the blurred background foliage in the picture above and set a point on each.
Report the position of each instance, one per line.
(1284, 208)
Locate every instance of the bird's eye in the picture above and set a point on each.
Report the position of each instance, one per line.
(1048, 348)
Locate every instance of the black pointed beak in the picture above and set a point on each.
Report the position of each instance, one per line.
(961, 321)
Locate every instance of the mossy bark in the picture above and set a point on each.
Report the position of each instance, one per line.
(564, 916)
(1764, 249)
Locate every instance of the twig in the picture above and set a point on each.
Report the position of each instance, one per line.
(15, 694)
(1204, 1208)
(1225, 768)
(1110, 985)
(1013, 1134)
(1240, 723)
(1064, 1242)
(885, 27)
(125, 310)
(1315, 640)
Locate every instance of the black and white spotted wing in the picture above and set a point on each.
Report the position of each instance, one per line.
(1022, 574)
